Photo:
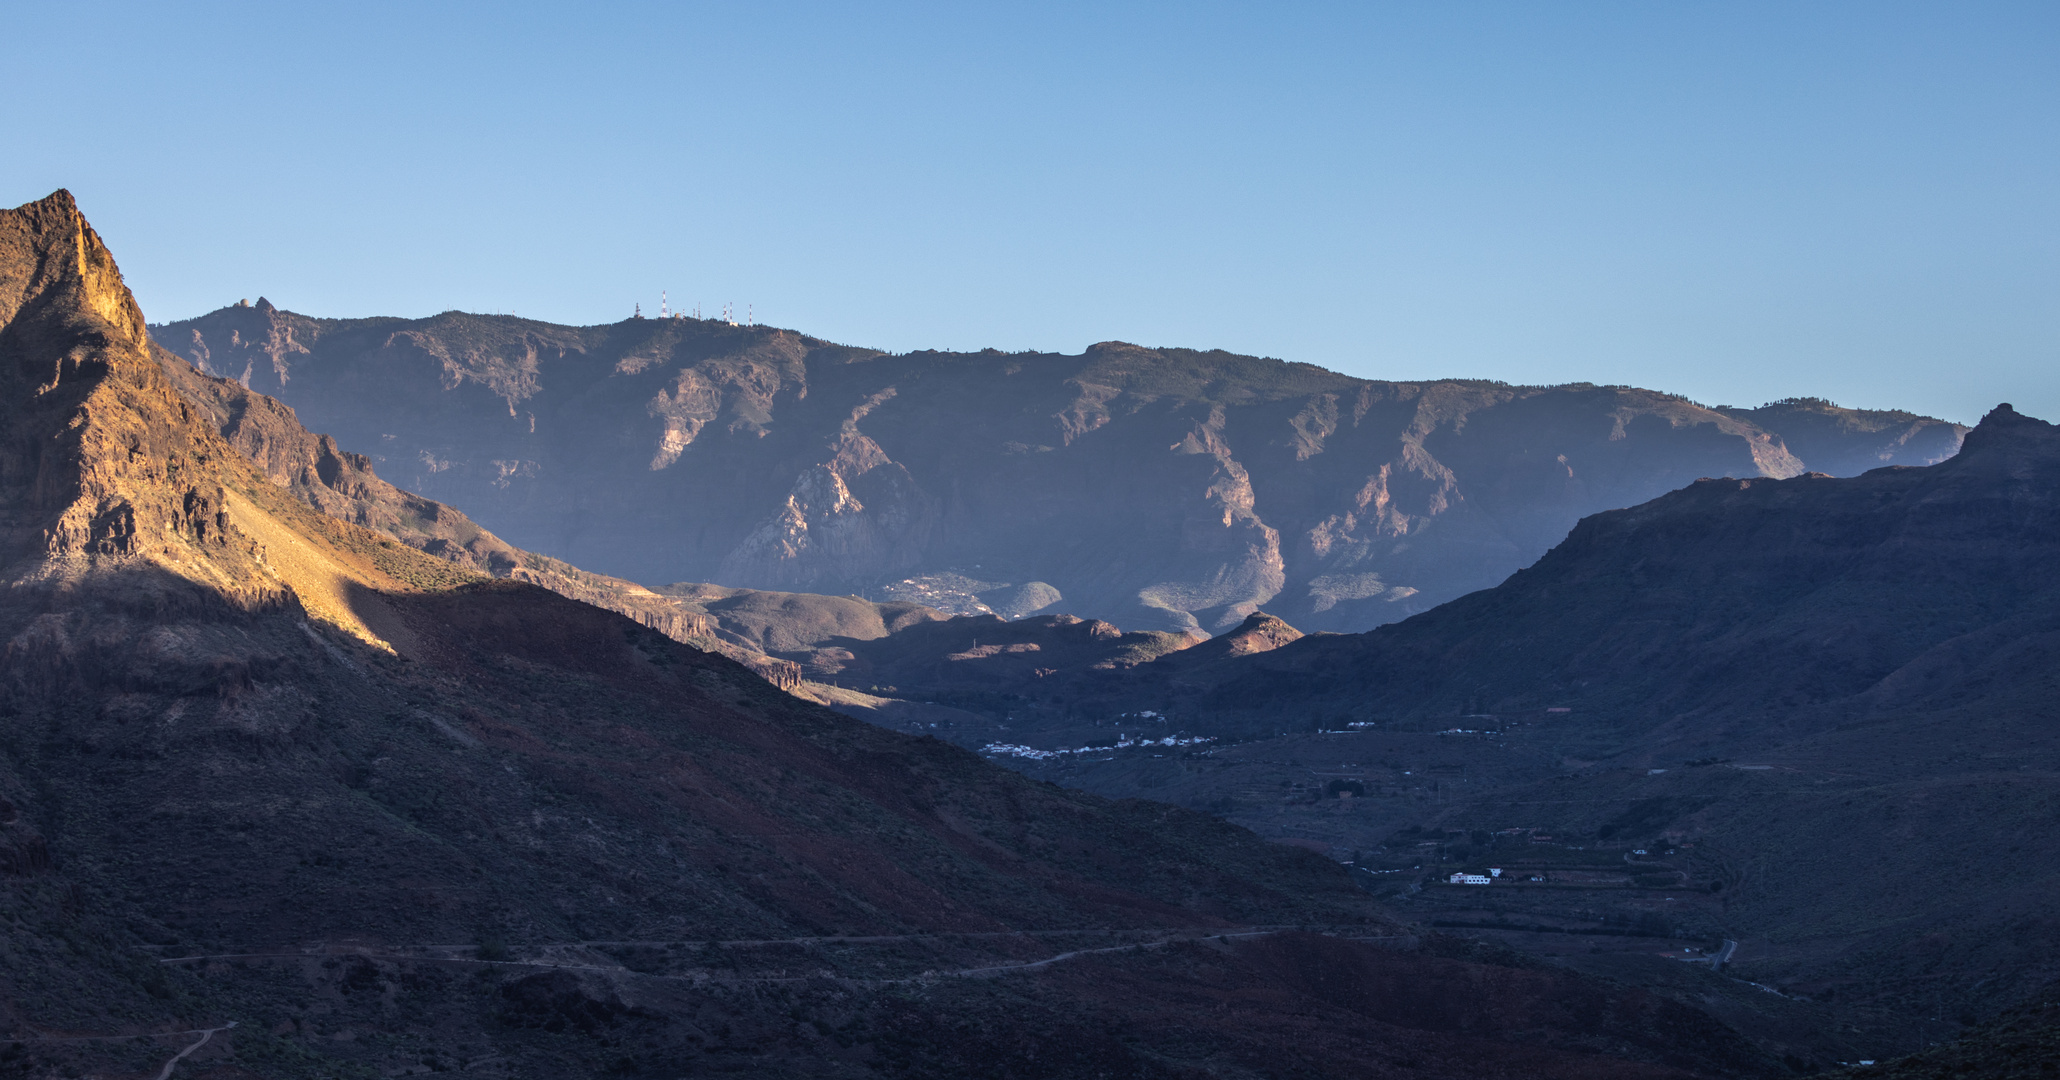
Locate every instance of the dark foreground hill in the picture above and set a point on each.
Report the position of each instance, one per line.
(283, 792)
(1157, 489)
(1823, 709)
(2021, 1044)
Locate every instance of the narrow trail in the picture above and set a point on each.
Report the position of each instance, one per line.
(1031, 965)
(711, 978)
(166, 1072)
(739, 943)
(883, 939)
(109, 1038)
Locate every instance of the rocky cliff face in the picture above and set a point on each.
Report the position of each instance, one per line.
(101, 470)
(1160, 489)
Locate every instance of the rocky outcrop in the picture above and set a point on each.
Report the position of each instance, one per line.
(1156, 488)
(102, 467)
(1258, 633)
(857, 515)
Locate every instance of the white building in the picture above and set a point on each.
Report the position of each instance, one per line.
(1470, 879)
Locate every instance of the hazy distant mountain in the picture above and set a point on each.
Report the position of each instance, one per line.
(1157, 489)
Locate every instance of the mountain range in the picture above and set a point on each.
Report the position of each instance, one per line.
(1155, 489)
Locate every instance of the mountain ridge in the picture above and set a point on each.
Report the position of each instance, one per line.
(1159, 489)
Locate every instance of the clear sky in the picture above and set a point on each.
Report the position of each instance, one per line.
(1734, 201)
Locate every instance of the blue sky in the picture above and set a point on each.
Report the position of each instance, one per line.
(1736, 201)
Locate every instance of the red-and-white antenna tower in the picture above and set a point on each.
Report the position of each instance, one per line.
(664, 312)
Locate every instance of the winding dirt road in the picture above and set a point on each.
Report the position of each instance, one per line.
(205, 1035)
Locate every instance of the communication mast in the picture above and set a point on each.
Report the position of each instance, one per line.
(664, 312)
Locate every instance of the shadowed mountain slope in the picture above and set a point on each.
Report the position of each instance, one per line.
(2021, 1044)
(259, 764)
(1158, 489)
